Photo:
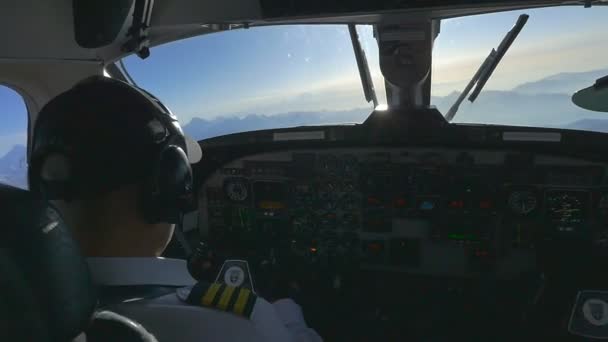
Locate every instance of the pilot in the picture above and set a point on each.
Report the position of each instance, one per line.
(115, 163)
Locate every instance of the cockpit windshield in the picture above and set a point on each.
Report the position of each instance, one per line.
(262, 77)
(558, 52)
(293, 75)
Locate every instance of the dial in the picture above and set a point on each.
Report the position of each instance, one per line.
(350, 165)
(331, 187)
(350, 202)
(329, 163)
(522, 202)
(236, 190)
(566, 209)
(349, 187)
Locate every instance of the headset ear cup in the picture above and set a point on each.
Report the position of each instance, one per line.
(51, 175)
(171, 191)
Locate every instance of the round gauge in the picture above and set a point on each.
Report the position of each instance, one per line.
(236, 190)
(349, 187)
(522, 202)
(350, 202)
(329, 163)
(331, 187)
(350, 164)
(330, 204)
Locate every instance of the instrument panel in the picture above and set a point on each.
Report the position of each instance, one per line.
(413, 210)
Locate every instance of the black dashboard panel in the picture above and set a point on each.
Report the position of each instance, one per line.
(404, 220)
(427, 211)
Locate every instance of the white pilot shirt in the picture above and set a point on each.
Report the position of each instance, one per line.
(282, 321)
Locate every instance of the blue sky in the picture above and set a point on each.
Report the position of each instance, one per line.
(273, 70)
(245, 71)
(559, 39)
(14, 119)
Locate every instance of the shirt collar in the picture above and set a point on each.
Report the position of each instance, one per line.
(140, 271)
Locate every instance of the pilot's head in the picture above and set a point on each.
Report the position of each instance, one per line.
(116, 164)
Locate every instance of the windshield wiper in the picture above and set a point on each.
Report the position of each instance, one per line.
(366, 77)
(488, 66)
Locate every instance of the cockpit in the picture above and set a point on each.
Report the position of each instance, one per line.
(421, 172)
(394, 230)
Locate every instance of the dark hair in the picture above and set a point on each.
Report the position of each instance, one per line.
(102, 125)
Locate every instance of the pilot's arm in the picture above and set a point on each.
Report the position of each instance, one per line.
(271, 325)
(283, 315)
(282, 321)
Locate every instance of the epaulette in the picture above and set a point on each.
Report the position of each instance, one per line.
(237, 300)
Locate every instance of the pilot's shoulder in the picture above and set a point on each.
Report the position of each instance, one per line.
(237, 300)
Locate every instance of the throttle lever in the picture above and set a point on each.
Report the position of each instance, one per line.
(200, 263)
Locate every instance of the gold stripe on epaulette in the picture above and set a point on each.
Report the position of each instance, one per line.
(209, 296)
(225, 298)
(239, 306)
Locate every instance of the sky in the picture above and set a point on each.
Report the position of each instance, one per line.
(560, 39)
(263, 70)
(13, 129)
(270, 70)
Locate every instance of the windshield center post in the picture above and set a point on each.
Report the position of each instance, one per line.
(406, 53)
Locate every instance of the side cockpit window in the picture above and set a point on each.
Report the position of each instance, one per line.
(13, 138)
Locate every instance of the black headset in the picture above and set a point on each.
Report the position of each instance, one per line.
(167, 191)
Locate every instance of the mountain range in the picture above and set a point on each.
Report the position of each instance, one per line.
(544, 103)
(13, 167)
(562, 83)
(199, 128)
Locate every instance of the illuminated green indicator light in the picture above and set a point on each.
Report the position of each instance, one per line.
(461, 237)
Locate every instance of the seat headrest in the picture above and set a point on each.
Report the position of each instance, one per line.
(46, 272)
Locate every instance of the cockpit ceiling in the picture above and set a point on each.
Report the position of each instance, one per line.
(37, 30)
